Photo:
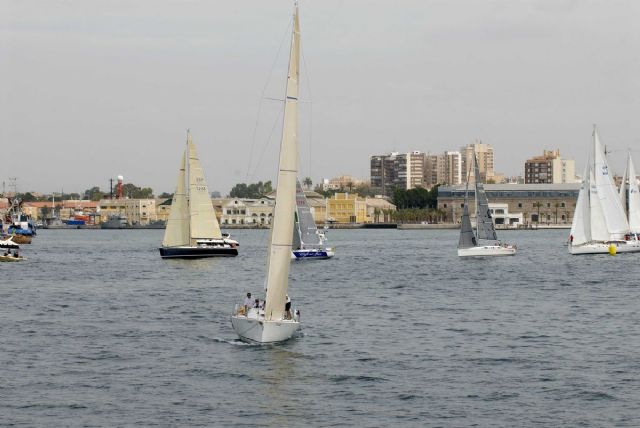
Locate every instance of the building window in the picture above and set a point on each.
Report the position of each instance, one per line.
(562, 204)
(444, 205)
(519, 204)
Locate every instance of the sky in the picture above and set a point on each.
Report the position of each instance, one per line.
(94, 89)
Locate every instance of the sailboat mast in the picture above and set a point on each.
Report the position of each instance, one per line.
(279, 259)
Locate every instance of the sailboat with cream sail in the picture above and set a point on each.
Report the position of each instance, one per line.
(484, 242)
(192, 229)
(599, 223)
(275, 322)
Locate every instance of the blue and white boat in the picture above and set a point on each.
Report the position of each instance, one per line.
(308, 242)
(16, 222)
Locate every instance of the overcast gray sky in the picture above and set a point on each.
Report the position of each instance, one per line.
(92, 89)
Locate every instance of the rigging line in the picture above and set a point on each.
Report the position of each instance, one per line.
(266, 146)
(308, 80)
(264, 90)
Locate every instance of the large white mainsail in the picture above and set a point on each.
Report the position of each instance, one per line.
(614, 216)
(633, 198)
(177, 231)
(283, 218)
(581, 225)
(203, 221)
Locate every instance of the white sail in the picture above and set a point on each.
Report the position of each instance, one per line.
(581, 225)
(634, 198)
(283, 218)
(204, 224)
(177, 231)
(622, 192)
(599, 231)
(612, 210)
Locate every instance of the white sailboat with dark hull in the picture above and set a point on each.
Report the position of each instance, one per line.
(484, 242)
(599, 223)
(192, 229)
(308, 242)
(275, 322)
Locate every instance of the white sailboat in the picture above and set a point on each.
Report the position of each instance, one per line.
(599, 222)
(485, 241)
(308, 242)
(630, 197)
(274, 323)
(192, 229)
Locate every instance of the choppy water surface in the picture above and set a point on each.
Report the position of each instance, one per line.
(97, 330)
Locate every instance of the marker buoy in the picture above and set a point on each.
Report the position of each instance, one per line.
(612, 250)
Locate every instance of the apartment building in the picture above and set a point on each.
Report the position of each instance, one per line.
(398, 170)
(484, 153)
(549, 168)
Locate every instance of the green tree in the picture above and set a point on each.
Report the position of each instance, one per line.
(130, 190)
(308, 182)
(94, 194)
(253, 190)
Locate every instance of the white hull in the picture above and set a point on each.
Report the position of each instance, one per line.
(487, 250)
(261, 331)
(603, 248)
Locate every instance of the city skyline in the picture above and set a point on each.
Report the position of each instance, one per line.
(101, 89)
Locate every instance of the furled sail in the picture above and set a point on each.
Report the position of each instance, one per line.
(177, 231)
(305, 231)
(484, 223)
(614, 216)
(581, 225)
(279, 259)
(204, 224)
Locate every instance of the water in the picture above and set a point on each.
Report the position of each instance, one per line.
(97, 330)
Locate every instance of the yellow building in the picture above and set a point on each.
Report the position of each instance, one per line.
(346, 208)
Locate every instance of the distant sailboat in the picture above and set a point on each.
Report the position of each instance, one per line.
(275, 323)
(484, 241)
(308, 242)
(630, 197)
(192, 229)
(599, 221)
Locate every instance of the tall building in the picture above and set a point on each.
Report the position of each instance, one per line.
(453, 168)
(397, 170)
(443, 169)
(549, 168)
(484, 152)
